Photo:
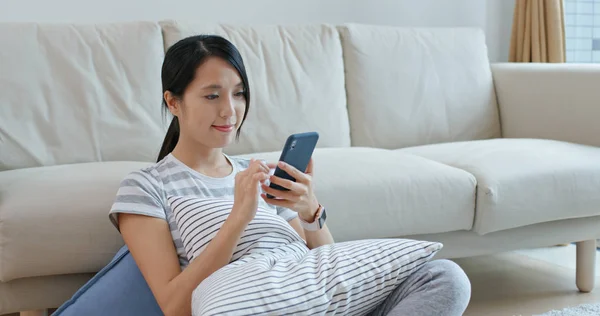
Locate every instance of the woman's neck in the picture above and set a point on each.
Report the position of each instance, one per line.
(208, 161)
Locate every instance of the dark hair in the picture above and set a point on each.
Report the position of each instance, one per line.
(179, 69)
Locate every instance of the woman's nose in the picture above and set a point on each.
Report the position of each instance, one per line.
(228, 107)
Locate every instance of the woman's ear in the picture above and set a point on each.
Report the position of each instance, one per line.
(172, 102)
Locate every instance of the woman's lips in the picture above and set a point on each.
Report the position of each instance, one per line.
(223, 128)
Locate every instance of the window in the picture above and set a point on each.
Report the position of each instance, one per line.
(582, 27)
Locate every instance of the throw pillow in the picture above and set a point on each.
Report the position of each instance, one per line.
(118, 289)
(273, 272)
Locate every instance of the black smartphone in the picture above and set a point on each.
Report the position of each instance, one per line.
(297, 152)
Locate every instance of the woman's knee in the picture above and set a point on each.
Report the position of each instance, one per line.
(451, 278)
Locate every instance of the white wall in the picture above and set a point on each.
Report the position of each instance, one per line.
(499, 28)
(490, 15)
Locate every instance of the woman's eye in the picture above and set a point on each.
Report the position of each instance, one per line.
(211, 96)
(239, 94)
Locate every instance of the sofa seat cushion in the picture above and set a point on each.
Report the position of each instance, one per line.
(524, 181)
(39, 292)
(54, 220)
(376, 193)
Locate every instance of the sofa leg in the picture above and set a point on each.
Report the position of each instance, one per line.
(586, 265)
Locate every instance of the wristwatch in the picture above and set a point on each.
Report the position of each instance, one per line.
(318, 222)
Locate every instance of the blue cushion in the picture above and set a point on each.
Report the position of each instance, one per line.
(117, 289)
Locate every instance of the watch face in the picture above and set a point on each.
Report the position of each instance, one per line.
(322, 218)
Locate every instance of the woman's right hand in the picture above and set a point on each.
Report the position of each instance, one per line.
(247, 189)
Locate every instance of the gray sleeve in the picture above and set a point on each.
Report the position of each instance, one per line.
(242, 162)
(138, 194)
(286, 213)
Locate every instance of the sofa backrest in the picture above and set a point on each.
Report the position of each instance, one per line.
(296, 75)
(417, 86)
(87, 93)
(79, 93)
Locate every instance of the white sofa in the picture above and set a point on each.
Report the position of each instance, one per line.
(421, 137)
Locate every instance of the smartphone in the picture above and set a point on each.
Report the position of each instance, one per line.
(297, 152)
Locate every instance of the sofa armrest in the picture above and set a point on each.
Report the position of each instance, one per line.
(550, 101)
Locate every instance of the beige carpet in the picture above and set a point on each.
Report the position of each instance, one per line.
(581, 310)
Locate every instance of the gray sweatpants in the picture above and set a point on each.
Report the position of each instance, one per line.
(439, 288)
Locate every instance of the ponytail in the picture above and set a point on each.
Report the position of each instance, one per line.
(170, 139)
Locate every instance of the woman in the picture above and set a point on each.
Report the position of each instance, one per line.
(205, 87)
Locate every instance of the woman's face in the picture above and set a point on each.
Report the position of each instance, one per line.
(212, 106)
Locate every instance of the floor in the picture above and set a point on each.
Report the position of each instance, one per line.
(526, 282)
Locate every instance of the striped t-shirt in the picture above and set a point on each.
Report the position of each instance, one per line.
(145, 192)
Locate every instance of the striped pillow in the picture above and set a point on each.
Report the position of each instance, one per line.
(273, 272)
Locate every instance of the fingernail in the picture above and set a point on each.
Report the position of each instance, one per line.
(282, 164)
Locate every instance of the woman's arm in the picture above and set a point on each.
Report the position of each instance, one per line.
(151, 245)
(313, 239)
(300, 198)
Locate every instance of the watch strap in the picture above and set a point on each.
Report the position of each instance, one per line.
(318, 221)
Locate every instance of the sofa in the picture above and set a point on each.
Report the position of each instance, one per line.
(420, 137)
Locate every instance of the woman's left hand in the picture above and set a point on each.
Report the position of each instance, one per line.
(300, 197)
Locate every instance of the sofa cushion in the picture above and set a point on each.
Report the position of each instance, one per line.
(524, 181)
(39, 292)
(118, 289)
(417, 86)
(375, 193)
(296, 76)
(53, 220)
(369, 193)
(72, 92)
